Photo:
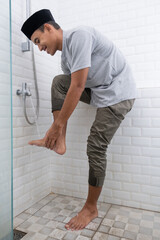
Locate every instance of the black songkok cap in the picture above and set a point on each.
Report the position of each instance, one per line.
(35, 21)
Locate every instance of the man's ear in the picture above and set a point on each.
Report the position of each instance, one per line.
(47, 27)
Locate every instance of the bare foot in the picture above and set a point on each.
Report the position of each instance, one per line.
(60, 146)
(39, 142)
(83, 218)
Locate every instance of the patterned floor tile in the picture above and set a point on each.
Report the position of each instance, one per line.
(82, 238)
(46, 231)
(57, 233)
(61, 226)
(43, 221)
(116, 232)
(35, 227)
(103, 229)
(28, 236)
(141, 236)
(50, 238)
(70, 236)
(100, 236)
(114, 238)
(33, 219)
(130, 235)
(24, 216)
(46, 220)
(31, 210)
(156, 233)
(38, 236)
(17, 222)
(108, 222)
(87, 233)
(92, 226)
(52, 224)
(132, 227)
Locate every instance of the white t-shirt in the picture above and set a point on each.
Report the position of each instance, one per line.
(109, 78)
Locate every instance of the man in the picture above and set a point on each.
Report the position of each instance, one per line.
(96, 73)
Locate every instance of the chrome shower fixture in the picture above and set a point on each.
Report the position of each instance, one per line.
(25, 91)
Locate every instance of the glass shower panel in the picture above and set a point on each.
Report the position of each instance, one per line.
(6, 201)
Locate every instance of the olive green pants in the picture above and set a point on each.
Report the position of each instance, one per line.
(106, 123)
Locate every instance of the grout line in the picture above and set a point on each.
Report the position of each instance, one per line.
(101, 221)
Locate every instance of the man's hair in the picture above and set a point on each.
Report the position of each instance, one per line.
(54, 24)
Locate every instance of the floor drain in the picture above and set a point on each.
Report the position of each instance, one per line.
(17, 235)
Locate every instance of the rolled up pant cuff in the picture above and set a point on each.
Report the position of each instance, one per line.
(96, 181)
(57, 104)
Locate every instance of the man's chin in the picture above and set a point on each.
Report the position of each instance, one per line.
(51, 53)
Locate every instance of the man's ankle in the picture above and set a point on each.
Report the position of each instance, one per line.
(91, 204)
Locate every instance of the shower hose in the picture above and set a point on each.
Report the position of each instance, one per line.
(37, 94)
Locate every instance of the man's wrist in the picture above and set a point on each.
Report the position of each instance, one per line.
(59, 124)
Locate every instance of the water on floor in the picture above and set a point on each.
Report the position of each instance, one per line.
(46, 220)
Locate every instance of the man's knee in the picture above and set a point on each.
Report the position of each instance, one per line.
(55, 81)
(58, 82)
(60, 85)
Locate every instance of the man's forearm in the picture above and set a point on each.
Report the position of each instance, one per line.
(70, 103)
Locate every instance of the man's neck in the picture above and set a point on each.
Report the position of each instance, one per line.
(60, 39)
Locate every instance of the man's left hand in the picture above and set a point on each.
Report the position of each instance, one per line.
(52, 135)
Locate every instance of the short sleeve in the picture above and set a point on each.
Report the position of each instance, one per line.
(81, 49)
(65, 68)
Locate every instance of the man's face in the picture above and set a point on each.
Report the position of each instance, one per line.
(46, 41)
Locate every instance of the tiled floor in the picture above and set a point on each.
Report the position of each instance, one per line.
(46, 220)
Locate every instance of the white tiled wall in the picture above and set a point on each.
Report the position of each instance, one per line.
(133, 168)
(31, 165)
(133, 25)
